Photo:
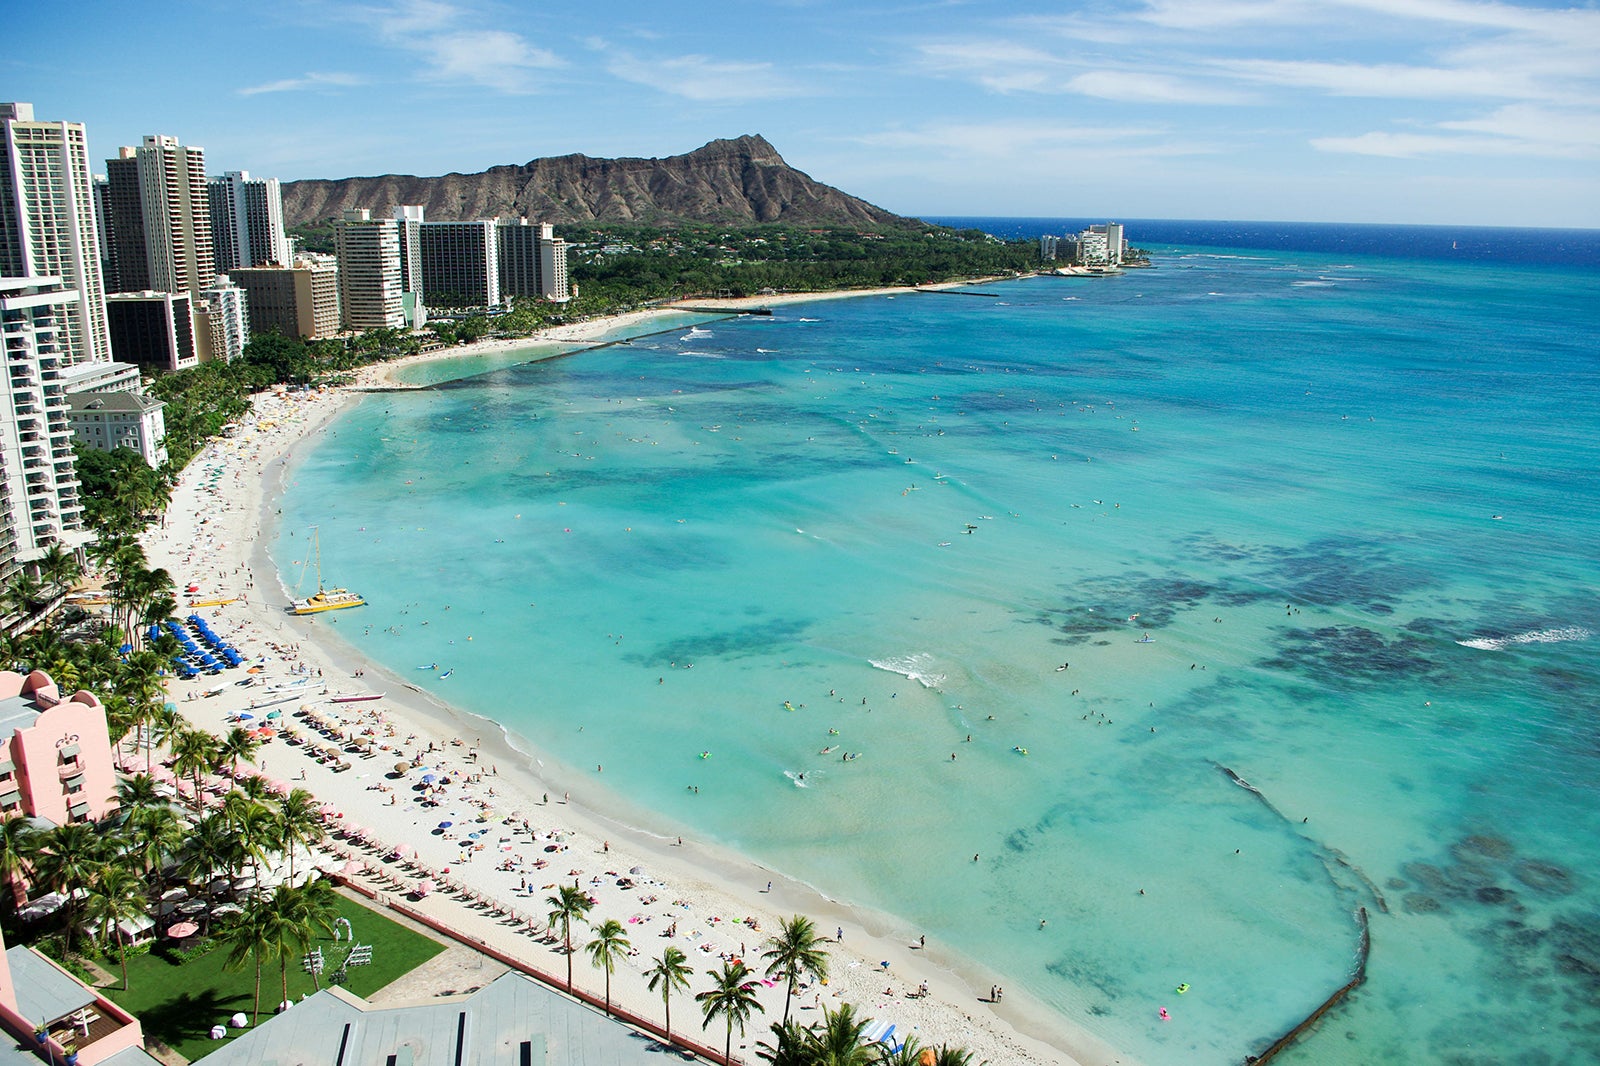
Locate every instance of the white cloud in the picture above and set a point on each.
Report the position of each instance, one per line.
(698, 77)
(452, 44)
(997, 145)
(1010, 67)
(310, 80)
(1509, 132)
(1389, 81)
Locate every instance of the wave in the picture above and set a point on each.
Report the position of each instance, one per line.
(917, 667)
(703, 355)
(1320, 283)
(1558, 635)
(695, 334)
(1215, 255)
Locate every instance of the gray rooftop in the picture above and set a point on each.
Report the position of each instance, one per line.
(112, 401)
(512, 1020)
(17, 712)
(44, 993)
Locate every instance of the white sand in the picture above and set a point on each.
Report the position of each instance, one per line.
(210, 539)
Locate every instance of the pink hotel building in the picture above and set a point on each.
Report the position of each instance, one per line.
(55, 754)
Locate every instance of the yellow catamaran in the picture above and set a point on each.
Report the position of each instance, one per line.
(324, 599)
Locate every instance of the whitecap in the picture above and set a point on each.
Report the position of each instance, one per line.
(917, 667)
(1557, 635)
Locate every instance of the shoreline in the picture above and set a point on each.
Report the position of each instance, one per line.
(601, 829)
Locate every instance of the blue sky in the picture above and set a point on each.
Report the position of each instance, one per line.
(1426, 111)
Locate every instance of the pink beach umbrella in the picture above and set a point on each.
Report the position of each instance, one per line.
(354, 867)
(353, 830)
(179, 930)
(404, 849)
(424, 887)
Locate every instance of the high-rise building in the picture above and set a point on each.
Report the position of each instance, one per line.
(368, 249)
(460, 264)
(153, 330)
(298, 301)
(177, 215)
(122, 225)
(222, 322)
(408, 219)
(38, 483)
(47, 221)
(533, 260)
(247, 221)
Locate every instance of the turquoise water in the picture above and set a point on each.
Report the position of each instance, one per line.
(1311, 480)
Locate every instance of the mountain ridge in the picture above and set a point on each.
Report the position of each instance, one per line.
(743, 180)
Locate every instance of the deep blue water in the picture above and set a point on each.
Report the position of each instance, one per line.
(1486, 244)
(1351, 499)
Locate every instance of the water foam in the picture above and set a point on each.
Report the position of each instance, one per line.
(917, 667)
(1536, 636)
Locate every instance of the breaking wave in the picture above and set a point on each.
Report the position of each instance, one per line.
(918, 667)
(1536, 636)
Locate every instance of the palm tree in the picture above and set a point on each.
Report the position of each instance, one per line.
(18, 845)
(194, 751)
(249, 936)
(838, 1041)
(794, 951)
(733, 998)
(212, 847)
(136, 794)
(295, 915)
(256, 826)
(58, 569)
(117, 896)
(238, 744)
(945, 1055)
(606, 948)
(299, 822)
(68, 858)
(571, 902)
(164, 725)
(792, 1046)
(152, 836)
(670, 971)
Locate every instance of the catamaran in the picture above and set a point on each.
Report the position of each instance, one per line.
(324, 599)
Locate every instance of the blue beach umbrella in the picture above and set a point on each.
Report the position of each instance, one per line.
(428, 779)
(446, 825)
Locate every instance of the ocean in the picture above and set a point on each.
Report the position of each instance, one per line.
(1123, 634)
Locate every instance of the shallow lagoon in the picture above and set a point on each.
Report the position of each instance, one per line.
(1287, 466)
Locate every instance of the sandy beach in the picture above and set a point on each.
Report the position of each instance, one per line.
(494, 830)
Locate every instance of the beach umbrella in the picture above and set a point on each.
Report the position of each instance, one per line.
(428, 779)
(353, 867)
(424, 887)
(274, 714)
(352, 830)
(179, 930)
(245, 716)
(402, 767)
(446, 825)
(637, 871)
(404, 849)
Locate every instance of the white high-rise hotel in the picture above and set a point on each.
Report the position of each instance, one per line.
(370, 291)
(177, 215)
(47, 222)
(247, 221)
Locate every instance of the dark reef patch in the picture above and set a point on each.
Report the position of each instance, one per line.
(1545, 878)
(760, 639)
(1351, 653)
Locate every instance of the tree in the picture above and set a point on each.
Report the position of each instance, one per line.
(249, 936)
(18, 846)
(838, 1042)
(606, 948)
(212, 847)
(194, 751)
(67, 859)
(794, 951)
(569, 904)
(791, 1046)
(152, 836)
(116, 896)
(299, 822)
(733, 998)
(238, 744)
(670, 971)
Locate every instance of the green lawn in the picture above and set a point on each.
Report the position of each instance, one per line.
(178, 1003)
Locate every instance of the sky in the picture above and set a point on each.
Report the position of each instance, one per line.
(1402, 111)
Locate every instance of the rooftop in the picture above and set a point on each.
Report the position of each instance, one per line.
(512, 1019)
